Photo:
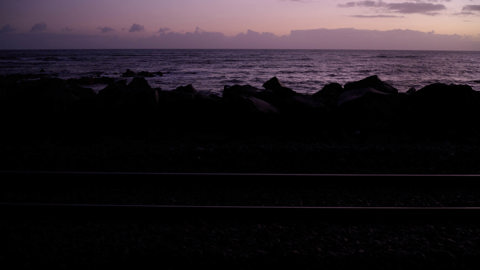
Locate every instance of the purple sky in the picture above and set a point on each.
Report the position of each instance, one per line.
(412, 24)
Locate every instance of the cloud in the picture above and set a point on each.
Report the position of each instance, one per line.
(409, 8)
(105, 29)
(398, 39)
(418, 7)
(67, 29)
(348, 5)
(471, 8)
(346, 38)
(376, 16)
(7, 28)
(363, 4)
(300, 1)
(136, 28)
(163, 30)
(39, 27)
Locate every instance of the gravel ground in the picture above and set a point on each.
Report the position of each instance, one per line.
(238, 244)
(242, 190)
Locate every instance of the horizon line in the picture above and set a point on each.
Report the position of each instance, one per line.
(236, 49)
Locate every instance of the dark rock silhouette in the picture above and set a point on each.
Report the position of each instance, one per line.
(139, 84)
(126, 109)
(272, 84)
(445, 109)
(364, 126)
(371, 82)
(240, 91)
(261, 106)
(368, 86)
(113, 95)
(185, 110)
(277, 88)
(186, 90)
(118, 94)
(246, 105)
(369, 106)
(411, 91)
(329, 94)
(47, 96)
(130, 73)
(243, 99)
(91, 80)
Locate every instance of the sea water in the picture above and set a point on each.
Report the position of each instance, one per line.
(305, 71)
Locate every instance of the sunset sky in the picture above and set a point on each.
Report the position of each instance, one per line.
(134, 19)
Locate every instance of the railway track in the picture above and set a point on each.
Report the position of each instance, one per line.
(33, 192)
(77, 220)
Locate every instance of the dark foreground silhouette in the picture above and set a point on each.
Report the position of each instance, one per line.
(363, 126)
(49, 124)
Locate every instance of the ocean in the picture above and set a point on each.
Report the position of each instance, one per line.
(305, 71)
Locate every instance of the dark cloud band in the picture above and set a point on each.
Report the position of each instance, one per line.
(39, 27)
(106, 29)
(471, 8)
(136, 28)
(7, 28)
(375, 16)
(408, 8)
(403, 8)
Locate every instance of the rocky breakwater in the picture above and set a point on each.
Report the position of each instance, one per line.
(362, 126)
(369, 108)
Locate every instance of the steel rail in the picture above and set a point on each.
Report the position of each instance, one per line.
(220, 174)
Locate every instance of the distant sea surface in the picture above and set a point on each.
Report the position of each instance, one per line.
(305, 71)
